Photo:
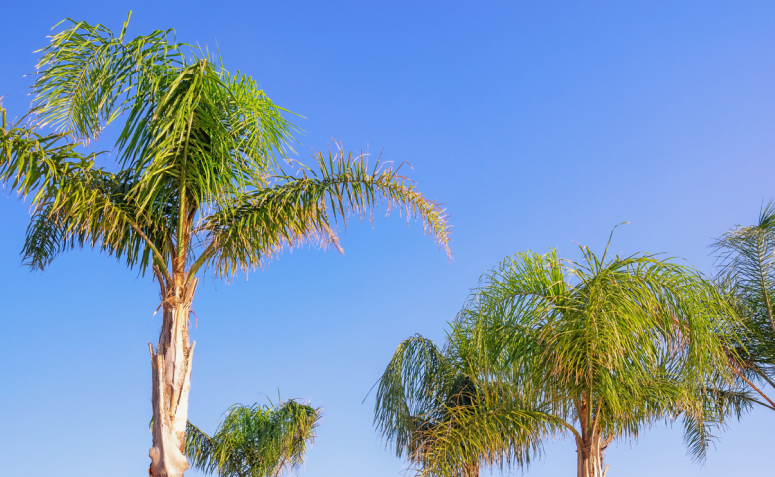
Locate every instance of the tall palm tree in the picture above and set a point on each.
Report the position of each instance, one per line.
(747, 270)
(254, 441)
(596, 350)
(199, 183)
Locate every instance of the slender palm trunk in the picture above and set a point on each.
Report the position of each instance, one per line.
(171, 365)
(590, 456)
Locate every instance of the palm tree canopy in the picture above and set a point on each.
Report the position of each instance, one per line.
(254, 441)
(548, 347)
(199, 176)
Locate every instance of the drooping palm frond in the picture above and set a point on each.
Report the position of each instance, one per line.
(413, 389)
(87, 76)
(254, 441)
(260, 224)
(503, 436)
(75, 203)
(432, 411)
(716, 406)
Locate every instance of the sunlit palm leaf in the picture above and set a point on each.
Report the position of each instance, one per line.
(260, 224)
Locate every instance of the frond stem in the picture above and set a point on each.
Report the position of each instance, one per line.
(762, 404)
(571, 429)
(752, 386)
(157, 255)
(762, 375)
(204, 257)
(182, 215)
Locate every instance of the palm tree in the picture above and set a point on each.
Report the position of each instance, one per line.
(199, 183)
(747, 270)
(596, 350)
(254, 441)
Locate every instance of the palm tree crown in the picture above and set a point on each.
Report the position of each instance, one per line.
(596, 350)
(198, 178)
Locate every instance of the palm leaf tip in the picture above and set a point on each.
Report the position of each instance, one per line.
(360, 189)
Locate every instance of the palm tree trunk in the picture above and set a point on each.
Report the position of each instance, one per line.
(171, 383)
(590, 456)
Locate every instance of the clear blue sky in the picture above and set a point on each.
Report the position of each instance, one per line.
(539, 124)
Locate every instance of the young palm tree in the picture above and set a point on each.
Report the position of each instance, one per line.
(747, 266)
(597, 350)
(198, 184)
(254, 441)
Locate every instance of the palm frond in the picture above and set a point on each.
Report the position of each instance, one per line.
(262, 223)
(76, 203)
(87, 76)
(504, 436)
(411, 391)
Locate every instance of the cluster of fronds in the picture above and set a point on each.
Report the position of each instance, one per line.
(198, 157)
(254, 441)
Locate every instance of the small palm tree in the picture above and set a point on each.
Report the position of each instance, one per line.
(199, 183)
(254, 441)
(747, 270)
(597, 350)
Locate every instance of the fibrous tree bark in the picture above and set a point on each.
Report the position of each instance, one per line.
(590, 456)
(590, 445)
(171, 365)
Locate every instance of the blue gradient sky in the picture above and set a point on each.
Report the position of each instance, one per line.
(539, 124)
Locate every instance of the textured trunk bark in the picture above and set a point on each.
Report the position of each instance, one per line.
(171, 366)
(590, 456)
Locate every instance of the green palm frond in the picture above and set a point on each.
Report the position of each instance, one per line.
(503, 436)
(87, 76)
(716, 406)
(254, 441)
(74, 202)
(414, 387)
(260, 224)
